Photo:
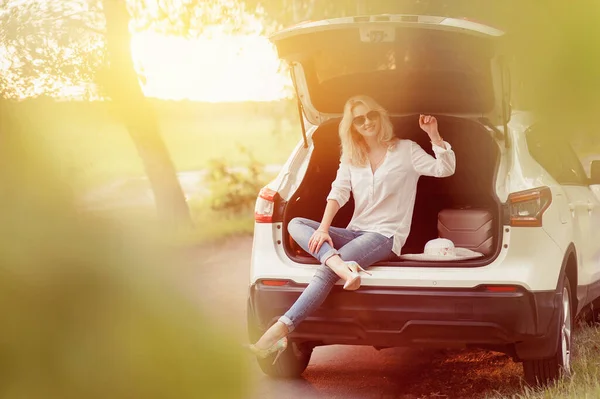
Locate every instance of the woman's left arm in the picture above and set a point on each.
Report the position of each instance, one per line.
(444, 163)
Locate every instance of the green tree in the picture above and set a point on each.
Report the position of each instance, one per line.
(87, 42)
(41, 39)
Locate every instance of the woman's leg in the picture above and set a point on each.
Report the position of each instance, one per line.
(301, 229)
(314, 294)
(311, 298)
(365, 249)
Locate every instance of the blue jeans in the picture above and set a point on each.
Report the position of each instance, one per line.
(365, 248)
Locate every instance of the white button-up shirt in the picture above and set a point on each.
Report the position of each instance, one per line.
(384, 200)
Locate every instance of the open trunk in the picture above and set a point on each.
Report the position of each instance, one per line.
(472, 186)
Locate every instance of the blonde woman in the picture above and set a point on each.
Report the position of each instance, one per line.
(382, 172)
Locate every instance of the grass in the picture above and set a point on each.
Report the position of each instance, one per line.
(209, 226)
(483, 374)
(221, 225)
(583, 383)
(93, 148)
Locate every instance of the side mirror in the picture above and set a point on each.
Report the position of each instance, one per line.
(595, 172)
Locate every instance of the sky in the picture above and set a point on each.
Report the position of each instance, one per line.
(216, 67)
(223, 67)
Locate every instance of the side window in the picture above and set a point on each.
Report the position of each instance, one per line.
(573, 162)
(557, 157)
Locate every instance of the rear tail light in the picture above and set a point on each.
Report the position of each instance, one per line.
(267, 206)
(526, 208)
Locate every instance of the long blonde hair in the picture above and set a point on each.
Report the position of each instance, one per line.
(354, 146)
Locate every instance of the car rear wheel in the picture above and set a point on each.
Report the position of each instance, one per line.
(543, 371)
(292, 362)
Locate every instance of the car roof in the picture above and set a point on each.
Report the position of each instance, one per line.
(396, 19)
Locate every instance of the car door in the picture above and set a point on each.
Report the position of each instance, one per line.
(585, 210)
(594, 237)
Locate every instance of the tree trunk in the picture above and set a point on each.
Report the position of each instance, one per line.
(123, 88)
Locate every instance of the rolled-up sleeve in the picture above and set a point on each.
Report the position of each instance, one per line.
(443, 165)
(341, 187)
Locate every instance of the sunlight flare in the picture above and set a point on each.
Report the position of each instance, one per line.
(216, 68)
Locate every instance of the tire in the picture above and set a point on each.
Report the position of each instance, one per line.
(540, 372)
(292, 362)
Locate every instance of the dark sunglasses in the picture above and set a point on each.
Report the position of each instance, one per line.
(361, 119)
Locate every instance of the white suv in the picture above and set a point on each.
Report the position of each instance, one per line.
(544, 266)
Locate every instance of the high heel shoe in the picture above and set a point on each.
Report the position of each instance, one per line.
(353, 283)
(279, 347)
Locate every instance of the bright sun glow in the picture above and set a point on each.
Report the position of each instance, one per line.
(222, 67)
(216, 67)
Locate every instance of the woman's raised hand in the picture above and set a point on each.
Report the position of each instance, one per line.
(429, 124)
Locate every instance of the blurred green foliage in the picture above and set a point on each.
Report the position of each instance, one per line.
(92, 308)
(234, 190)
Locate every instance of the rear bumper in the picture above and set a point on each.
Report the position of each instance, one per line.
(522, 323)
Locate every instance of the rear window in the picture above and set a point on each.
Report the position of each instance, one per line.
(334, 64)
(556, 156)
(421, 71)
(366, 58)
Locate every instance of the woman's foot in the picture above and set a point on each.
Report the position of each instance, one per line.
(279, 347)
(353, 283)
(272, 335)
(273, 340)
(347, 271)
